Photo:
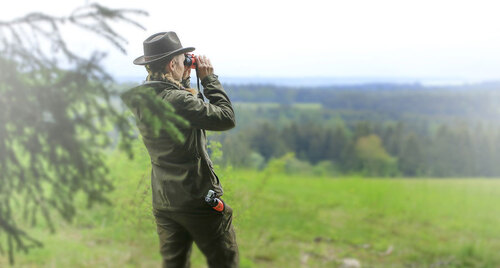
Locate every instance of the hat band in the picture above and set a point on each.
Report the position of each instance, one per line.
(155, 56)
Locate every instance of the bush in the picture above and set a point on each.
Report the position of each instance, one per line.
(374, 159)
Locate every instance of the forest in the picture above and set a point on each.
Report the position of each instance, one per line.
(373, 130)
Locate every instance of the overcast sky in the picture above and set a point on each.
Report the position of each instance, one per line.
(367, 38)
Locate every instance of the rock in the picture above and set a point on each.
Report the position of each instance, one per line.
(365, 246)
(388, 251)
(304, 258)
(350, 263)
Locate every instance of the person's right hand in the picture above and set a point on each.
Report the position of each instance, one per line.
(204, 67)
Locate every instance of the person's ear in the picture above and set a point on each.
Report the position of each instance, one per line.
(170, 65)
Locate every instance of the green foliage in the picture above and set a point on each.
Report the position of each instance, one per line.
(430, 149)
(374, 160)
(413, 104)
(278, 165)
(323, 168)
(256, 161)
(296, 166)
(267, 140)
(412, 158)
(442, 131)
(215, 150)
(158, 117)
(55, 119)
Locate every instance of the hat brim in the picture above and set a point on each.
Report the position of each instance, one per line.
(143, 60)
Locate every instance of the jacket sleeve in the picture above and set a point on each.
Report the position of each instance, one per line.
(216, 115)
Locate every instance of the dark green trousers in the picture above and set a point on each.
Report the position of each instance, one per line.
(212, 231)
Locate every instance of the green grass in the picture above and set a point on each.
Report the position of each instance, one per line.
(285, 220)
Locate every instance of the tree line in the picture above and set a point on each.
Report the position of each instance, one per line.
(371, 148)
(408, 103)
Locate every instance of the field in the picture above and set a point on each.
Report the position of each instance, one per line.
(297, 220)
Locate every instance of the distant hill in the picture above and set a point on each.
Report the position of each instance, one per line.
(334, 81)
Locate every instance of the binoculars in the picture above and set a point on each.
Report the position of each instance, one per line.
(190, 60)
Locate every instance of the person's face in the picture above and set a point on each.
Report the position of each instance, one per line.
(177, 67)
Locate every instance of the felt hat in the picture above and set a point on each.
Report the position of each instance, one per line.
(160, 46)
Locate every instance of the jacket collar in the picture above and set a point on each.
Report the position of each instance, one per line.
(161, 85)
(168, 84)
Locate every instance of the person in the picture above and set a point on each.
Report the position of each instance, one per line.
(182, 174)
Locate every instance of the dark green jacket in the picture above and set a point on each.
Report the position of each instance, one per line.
(182, 174)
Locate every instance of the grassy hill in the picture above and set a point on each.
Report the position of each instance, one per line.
(293, 220)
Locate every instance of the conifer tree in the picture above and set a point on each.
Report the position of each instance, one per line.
(55, 118)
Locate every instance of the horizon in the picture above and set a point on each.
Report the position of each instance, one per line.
(325, 81)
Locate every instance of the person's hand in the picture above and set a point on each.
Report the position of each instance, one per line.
(204, 67)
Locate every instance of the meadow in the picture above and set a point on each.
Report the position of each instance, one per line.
(292, 220)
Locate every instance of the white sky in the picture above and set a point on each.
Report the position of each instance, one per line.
(382, 38)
